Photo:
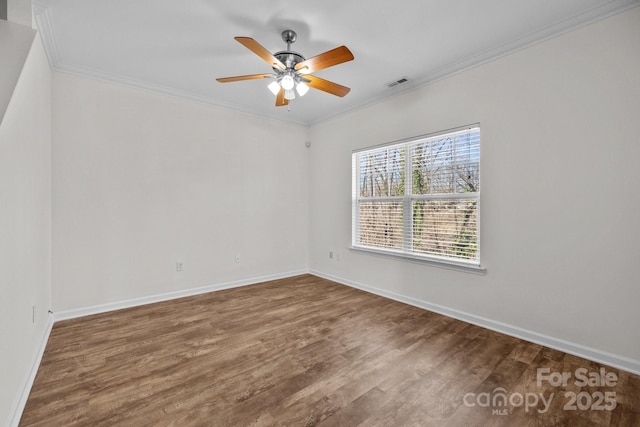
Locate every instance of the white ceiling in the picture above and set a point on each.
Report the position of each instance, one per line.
(181, 47)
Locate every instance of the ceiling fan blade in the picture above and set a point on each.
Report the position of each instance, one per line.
(263, 53)
(325, 60)
(281, 100)
(240, 78)
(327, 86)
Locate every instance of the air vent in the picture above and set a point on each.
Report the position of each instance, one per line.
(397, 82)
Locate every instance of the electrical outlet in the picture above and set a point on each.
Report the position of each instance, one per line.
(179, 266)
(237, 258)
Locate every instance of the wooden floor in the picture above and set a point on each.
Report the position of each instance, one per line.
(305, 351)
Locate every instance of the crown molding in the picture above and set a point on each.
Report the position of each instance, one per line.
(42, 15)
(540, 35)
(42, 10)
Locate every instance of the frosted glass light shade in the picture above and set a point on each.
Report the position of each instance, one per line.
(287, 82)
(274, 87)
(302, 88)
(289, 94)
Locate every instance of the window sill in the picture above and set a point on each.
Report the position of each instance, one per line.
(450, 265)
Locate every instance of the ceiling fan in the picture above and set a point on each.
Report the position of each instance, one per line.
(292, 71)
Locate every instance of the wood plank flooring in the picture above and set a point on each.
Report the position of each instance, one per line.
(305, 351)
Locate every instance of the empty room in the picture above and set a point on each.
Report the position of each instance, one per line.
(410, 213)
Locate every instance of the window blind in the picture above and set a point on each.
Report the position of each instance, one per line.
(420, 197)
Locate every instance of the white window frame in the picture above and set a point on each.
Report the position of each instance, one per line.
(406, 253)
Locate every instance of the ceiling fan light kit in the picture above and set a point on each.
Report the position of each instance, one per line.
(292, 72)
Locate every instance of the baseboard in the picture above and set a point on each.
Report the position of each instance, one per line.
(16, 414)
(118, 305)
(18, 408)
(596, 355)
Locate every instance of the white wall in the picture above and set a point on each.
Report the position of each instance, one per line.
(142, 180)
(15, 43)
(19, 11)
(25, 226)
(560, 177)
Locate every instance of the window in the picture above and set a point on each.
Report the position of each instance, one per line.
(419, 198)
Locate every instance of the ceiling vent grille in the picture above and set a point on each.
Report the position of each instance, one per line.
(397, 82)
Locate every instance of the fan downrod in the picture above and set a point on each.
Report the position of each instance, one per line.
(289, 37)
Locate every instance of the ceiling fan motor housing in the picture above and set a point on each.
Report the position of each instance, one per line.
(288, 58)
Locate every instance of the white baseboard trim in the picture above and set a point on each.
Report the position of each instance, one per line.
(18, 407)
(596, 355)
(134, 302)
